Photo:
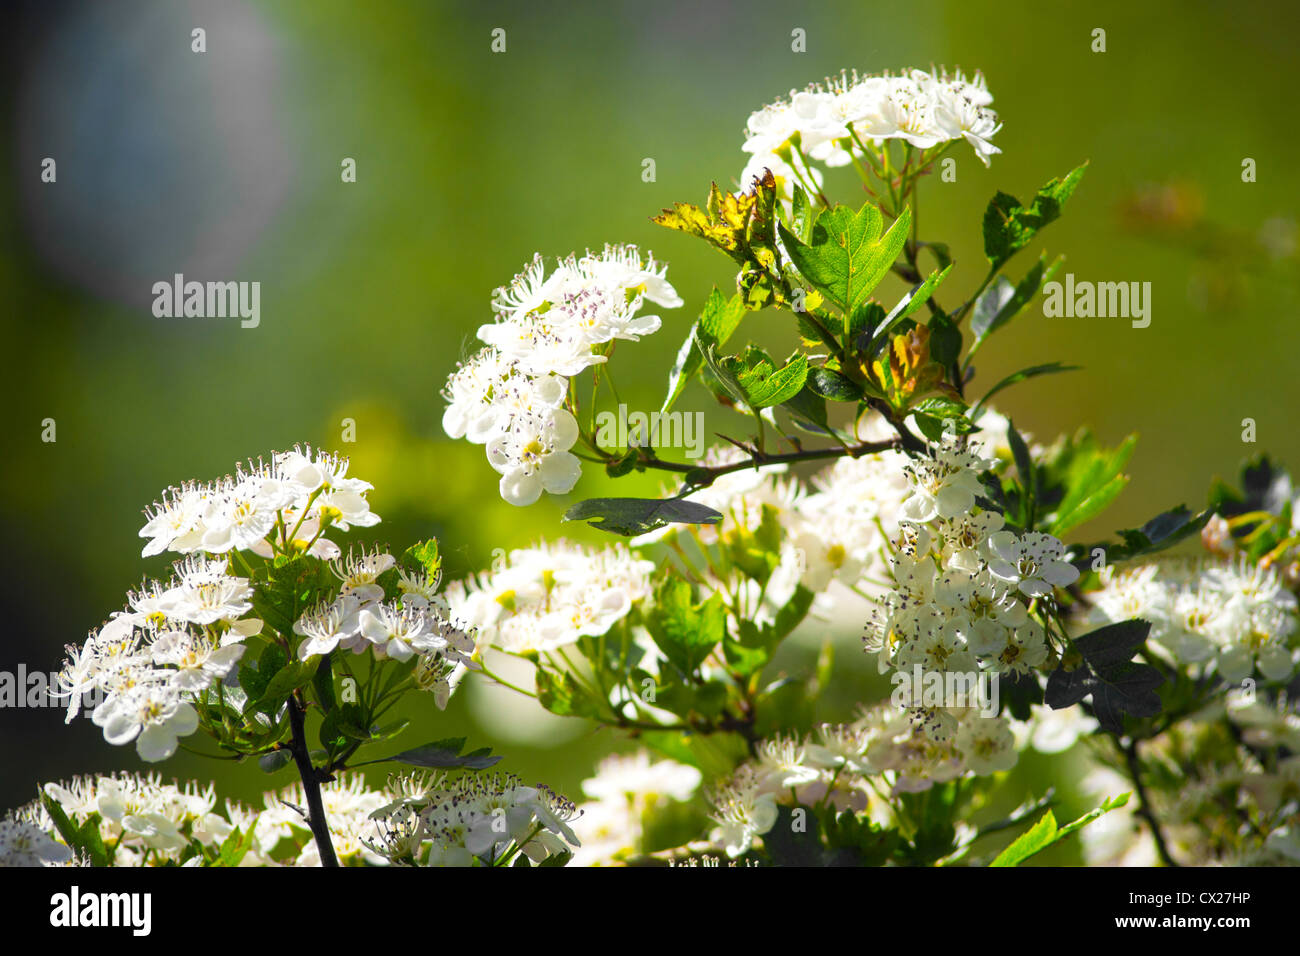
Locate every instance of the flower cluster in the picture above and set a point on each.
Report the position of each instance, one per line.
(146, 821)
(833, 121)
(484, 819)
(622, 792)
(148, 662)
(546, 597)
(846, 766)
(511, 396)
(1235, 613)
(288, 503)
(961, 586)
(418, 625)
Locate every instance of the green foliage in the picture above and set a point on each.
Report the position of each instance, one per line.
(848, 254)
(1045, 833)
(633, 516)
(1079, 479)
(1107, 673)
(83, 840)
(684, 631)
(1003, 301)
(424, 554)
(443, 755)
(561, 694)
(753, 378)
(287, 586)
(716, 323)
(1009, 225)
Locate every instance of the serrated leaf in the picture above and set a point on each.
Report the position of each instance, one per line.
(762, 385)
(1117, 684)
(444, 754)
(685, 632)
(1009, 225)
(846, 256)
(633, 516)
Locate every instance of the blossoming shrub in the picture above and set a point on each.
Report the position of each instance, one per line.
(942, 533)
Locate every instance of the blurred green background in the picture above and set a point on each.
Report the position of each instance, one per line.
(226, 166)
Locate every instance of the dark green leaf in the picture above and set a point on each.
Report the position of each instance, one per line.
(633, 516)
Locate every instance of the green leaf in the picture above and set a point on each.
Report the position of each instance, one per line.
(1117, 684)
(285, 589)
(1045, 832)
(716, 754)
(273, 761)
(1009, 225)
(1089, 477)
(802, 214)
(235, 847)
(685, 632)
(425, 555)
(760, 383)
(847, 257)
(1016, 378)
(559, 693)
(715, 325)
(282, 683)
(443, 754)
(919, 295)
(1028, 475)
(1162, 531)
(633, 516)
(739, 224)
(1003, 301)
(945, 339)
(85, 839)
(933, 416)
(833, 385)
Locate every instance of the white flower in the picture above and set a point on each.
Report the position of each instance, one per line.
(944, 485)
(360, 573)
(636, 778)
(1056, 731)
(326, 625)
(25, 844)
(550, 596)
(241, 513)
(399, 632)
(205, 593)
(533, 455)
(741, 812)
(1033, 562)
(174, 523)
(987, 743)
(152, 714)
(782, 764)
(197, 660)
